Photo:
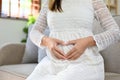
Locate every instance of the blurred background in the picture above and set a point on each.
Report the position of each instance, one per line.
(17, 15)
(114, 6)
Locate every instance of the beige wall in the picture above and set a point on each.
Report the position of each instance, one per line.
(11, 30)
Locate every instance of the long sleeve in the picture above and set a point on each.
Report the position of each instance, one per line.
(39, 27)
(112, 31)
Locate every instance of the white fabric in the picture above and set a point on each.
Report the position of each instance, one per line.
(75, 22)
(31, 50)
(42, 52)
(48, 70)
(112, 31)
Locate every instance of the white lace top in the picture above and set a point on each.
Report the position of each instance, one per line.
(78, 17)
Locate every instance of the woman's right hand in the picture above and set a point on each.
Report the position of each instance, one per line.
(52, 45)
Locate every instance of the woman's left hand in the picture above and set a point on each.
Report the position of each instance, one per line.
(80, 46)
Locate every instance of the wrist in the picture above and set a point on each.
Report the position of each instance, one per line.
(44, 40)
(90, 41)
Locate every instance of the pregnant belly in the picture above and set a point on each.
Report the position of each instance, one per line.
(90, 54)
(66, 36)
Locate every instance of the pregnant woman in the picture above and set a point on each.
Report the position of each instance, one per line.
(72, 48)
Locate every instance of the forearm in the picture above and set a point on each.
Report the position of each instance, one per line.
(37, 32)
(111, 32)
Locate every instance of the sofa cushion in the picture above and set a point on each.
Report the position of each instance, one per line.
(41, 54)
(111, 57)
(8, 76)
(112, 76)
(20, 70)
(31, 50)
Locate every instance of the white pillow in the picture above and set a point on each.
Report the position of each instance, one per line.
(41, 54)
(31, 50)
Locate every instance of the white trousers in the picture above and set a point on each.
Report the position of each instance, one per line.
(48, 70)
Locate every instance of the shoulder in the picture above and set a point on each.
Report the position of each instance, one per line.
(98, 4)
(98, 1)
(44, 7)
(44, 3)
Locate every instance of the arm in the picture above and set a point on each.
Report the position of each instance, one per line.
(39, 27)
(112, 32)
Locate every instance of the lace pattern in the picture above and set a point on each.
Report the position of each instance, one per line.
(112, 32)
(39, 27)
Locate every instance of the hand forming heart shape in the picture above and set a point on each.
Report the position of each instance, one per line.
(77, 49)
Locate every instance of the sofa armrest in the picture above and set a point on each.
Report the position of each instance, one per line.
(11, 53)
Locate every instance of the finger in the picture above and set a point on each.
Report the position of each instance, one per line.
(70, 52)
(71, 42)
(75, 57)
(73, 54)
(59, 51)
(56, 54)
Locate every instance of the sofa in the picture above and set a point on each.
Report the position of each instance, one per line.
(12, 66)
